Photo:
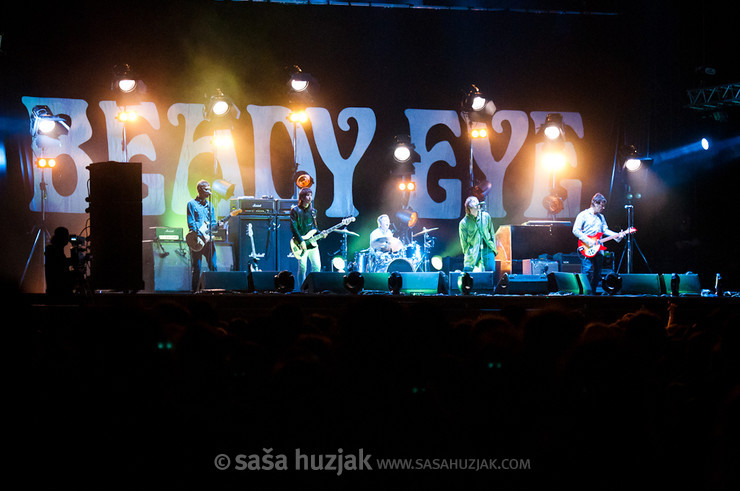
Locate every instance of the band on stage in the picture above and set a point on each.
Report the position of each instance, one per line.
(387, 252)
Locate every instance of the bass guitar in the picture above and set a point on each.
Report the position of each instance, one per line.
(314, 236)
(591, 251)
(197, 239)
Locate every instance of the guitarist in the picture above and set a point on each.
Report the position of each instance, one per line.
(588, 223)
(302, 221)
(202, 220)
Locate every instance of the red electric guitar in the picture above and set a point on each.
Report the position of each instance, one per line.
(591, 251)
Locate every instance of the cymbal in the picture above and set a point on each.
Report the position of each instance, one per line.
(425, 230)
(347, 232)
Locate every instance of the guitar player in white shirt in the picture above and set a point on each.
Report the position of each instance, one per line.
(590, 227)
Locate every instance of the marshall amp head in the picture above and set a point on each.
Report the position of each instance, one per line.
(252, 205)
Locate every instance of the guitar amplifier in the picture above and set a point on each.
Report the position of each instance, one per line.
(284, 206)
(168, 234)
(252, 205)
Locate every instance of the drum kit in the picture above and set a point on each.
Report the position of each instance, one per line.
(387, 255)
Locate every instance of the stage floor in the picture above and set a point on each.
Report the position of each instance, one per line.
(226, 306)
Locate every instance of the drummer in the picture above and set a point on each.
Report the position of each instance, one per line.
(382, 239)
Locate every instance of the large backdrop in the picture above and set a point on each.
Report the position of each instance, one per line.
(617, 74)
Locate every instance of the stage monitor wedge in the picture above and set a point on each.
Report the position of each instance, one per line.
(523, 284)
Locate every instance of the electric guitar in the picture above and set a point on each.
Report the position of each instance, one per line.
(591, 251)
(314, 236)
(255, 257)
(197, 239)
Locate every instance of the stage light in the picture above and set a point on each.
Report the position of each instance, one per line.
(395, 282)
(554, 160)
(303, 179)
(632, 164)
(354, 282)
(475, 106)
(127, 116)
(553, 127)
(437, 263)
(479, 133)
(407, 216)
(43, 163)
(127, 85)
(633, 161)
(404, 151)
(611, 283)
(222, 140)
(465, 283)
(223, 188)
(302, 85)
(705, 144)
(284, 282)
(298, 117)
(338, 264)
(219, 106)
(409, 186)
(45, 122)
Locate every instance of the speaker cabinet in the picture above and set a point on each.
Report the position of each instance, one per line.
(688, 284)
(260, 230)
(483, 283)
(224, 256)
(171, 262)
(565, 283)
(232, 281)
(285, 259)
(641, 284)
(523, 284)
(411, 283)
(116, 259)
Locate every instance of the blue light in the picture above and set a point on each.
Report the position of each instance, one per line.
(705, 144)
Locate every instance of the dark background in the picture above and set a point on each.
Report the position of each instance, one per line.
(624, 66)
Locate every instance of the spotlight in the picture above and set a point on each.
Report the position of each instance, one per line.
(43, 121)
(126, 85)
(124, 78)
(298, 117)
(127, 116)
(437, 263)
(479, 133)
(302, 85)
(553, 159)
(354, 282)
(303, 179)
(219, 106)
(338, 264)
(465, 283)
(404, 151)
(43, 163)
(633, 161)
(611, 283)
(553, 127)
(476, 106)
(223, 188)
(284, 282)
(395, 282)
(705, 144)
(409, 186)
(408, 216)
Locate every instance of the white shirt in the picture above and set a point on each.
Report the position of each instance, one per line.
(589, 223)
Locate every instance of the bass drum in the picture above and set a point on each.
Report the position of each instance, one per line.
(399, 265)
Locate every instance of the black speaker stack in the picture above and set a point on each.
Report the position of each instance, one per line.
(260, 234)
(115, 226)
